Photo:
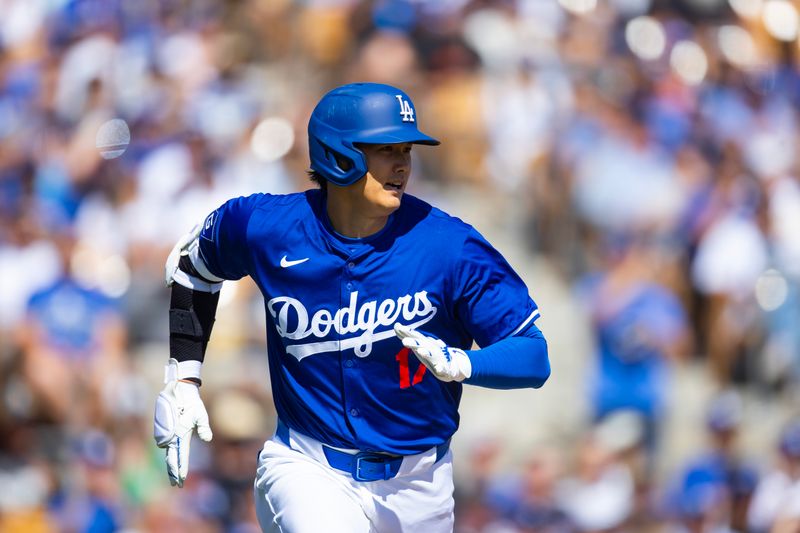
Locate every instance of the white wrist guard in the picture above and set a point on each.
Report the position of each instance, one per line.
(175, 370)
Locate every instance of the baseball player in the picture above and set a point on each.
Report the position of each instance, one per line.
(373, 300)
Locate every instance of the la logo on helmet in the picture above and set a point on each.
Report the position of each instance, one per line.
(405, 109)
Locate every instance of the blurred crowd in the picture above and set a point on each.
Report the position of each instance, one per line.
(646, 149)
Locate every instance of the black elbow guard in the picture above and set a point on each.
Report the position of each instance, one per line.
(191, 319)
(184, 322)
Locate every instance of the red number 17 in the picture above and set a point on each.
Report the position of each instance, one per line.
(405, 374)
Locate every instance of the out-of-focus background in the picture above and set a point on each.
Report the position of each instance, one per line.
(635, 160)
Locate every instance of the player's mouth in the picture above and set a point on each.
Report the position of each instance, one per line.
(394, 185)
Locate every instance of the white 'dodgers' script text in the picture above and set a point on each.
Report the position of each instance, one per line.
(292, 321)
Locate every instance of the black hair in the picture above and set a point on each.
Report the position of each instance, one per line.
(319, 179)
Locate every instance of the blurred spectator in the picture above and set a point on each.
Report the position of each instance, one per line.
(777, 291)
(241, 423)
(523, 501)
(24, 466)
(623, 434)
(776, 503)
(702, 508)
(472, 495)
(714, 489)
(640, 329)
(537, 507)
(89, 501)
(731, 254)
(600, 495)
(28, 262)
(620, 173)
(73, 343)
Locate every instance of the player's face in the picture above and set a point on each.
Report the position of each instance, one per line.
(388, 169)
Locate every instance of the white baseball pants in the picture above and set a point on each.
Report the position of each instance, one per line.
(297, 491)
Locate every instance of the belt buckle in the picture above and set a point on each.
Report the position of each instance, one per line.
(373, 474)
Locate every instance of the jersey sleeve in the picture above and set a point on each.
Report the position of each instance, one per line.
(491, 300)
(223, 240)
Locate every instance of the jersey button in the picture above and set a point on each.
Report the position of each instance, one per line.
(349, 286)
(354, 412)
(348, 363)
(351, 265)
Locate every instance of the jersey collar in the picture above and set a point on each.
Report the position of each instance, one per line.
(348, 245)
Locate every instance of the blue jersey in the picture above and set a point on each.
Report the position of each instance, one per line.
(339, 374)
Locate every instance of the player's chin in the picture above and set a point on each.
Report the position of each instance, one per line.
(391, 197)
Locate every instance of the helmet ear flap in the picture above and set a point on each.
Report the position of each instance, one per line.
(341, 162)
(341, 165)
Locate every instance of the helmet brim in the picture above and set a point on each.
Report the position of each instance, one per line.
(395, 136)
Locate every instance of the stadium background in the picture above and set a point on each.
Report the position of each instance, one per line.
(635, 160)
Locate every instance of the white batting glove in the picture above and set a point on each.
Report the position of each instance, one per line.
(446, 363)
(179, 410)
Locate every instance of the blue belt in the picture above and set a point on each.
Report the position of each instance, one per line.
(363, 466)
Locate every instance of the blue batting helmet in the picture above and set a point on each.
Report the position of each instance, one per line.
(369, 113)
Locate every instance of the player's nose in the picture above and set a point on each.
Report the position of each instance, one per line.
(402, 162)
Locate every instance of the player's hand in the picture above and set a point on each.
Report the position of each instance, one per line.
(446, 363)
(179, 410)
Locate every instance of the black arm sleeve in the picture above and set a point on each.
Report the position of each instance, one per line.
(191, 318)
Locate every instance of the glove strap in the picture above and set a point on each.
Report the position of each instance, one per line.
(182, 370)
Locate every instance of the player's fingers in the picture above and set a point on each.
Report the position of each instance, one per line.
(405, 332)
(422, 354)
(203, 427)
(408, 342)
(401, 331)
(183, 458)
(172, 465)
